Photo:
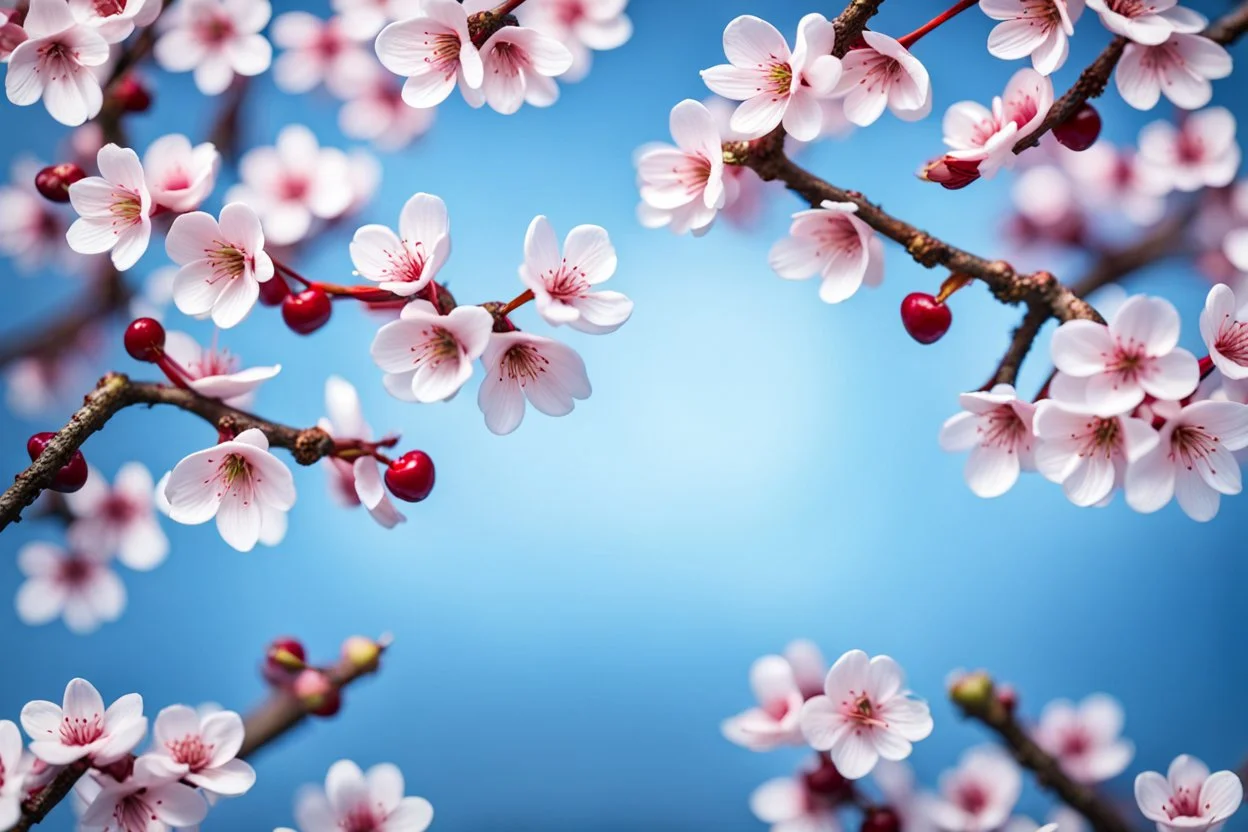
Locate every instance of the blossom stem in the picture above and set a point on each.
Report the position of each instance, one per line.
(507, 7)
(283, 269)
(173, 371)
(936, 22)
(1206, 367)
(516, 302)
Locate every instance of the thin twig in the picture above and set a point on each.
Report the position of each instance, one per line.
(851, 23)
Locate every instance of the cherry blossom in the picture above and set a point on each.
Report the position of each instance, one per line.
(1188, 798)
(377, 113)
(223, 263)
(984, 138)
(40, 383)
(996, 427)
(864, 714)
(32, 231)
(1088, 455)
(74, 584)
(808, 665)
(319, 52)
(363, 19)
(237, 481)
(519, 366)
(12, 775)
(1193, 461)
(582, 26)
(747, 190)
(1224, 326)
(203, 750)
(1085, 738)
(561, 281)
(292, 182)
(113, 208)
(775, 721)
(151, 799)
(684, 187)
(214, 372)
(832, 242)
(180, 176)
(775, 85)
(81, 727)
(218, 39)
(882, 73)
(1200, 152)
(433, 51)
(1109, 179)
(788, 805)
(358, 481)
(122, 518)
(1149, 23)
(1107, 370)
(55, 63)
(114, 20)
(520, 66)
(1180, 67)
(979, 794)
(353, 799)
(427, 357)
(406, 262)
(11, 35)
(1039, 28)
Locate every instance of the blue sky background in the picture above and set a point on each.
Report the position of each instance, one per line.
(576, 606)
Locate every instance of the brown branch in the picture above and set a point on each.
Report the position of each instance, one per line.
(851, 23)
(1020, 344)
(115, 392)
(1093, 80)
(989, 710)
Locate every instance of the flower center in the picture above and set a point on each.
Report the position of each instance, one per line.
(1184, 803)
(570, 12)
(74, 572)
(1129, 363)
(566, 283)
(859, 709)
(445, 57)
(509, 60)
(227, 260)
(108, 8)
(1101, 437)
(524, 364)
(971, 798)
(777, 709)
(1191, 444)
(837, 236)
(191, 751)
(293, 188)
(177, 180)
(233, 468)
(360, 819)
(81, 730)
(132, 813)
(408, 264)
(126, 207)
(1077, 742)
(1132, 8)
(440, 345)
(780, 77)
(1189, 147)
(117, 509)
(214, 30)
(1002, 428)
(1232, 340)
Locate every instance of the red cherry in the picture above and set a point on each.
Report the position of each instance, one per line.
(131, 96)
(925, 318)
(54, 180)
(307, 311)
(274, 290)
(826, 780)
(410, 477)
(881, 819)
(1080, 131)
(286, 653)
(317, 692)
(72, 476)
(144, 339)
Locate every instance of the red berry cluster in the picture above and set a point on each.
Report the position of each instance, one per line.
(72, 476)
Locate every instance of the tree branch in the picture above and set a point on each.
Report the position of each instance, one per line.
(115, 392)
(851, 22)
(1020, 344)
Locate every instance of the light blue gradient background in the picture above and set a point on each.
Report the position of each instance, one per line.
(576, 606)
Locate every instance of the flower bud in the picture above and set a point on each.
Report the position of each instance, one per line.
(286, 653)
(881, 819)
(951, 174)
(361, 653)
(826, 780)
(53, 181)
(144, 339)
(131, 96)
(1007, 697)
(317, 692)
(972, 691)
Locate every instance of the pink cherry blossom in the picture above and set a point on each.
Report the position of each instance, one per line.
(1088, 455)
(427, 357)
(775, 85)
(1180, 67)
(581, 26)
(684, 187)
(121, 518)
(433, 51)
(115, 20)
(74, 584)
(81, 727)
(1039, 28)
(55, 62)
(363, 19)
(353, 799)
(239, 482)
(520, 66)
(32, 230)
(151, 799)
(1049, 211)
(10, 35)
(39, 384)
(113, 208)
(1107, 370)
(1200, 152)
(519, 366)
(319, 52)
(1193, 461)
(293, 182)
(1188, 798)
(808, 665)
(996, 427)
(1115, 180)
(203, 750)
(1085, 739)
(1149, 23)
(217, 39)
(882, 73)
(180, 176)
(1224, 326)
(223, 263)
(979, 794)
(775, 721)
(977, 134)
(864, 714)
(358, 481)
(12, 775)
(832, 242)
(377, 113)
(406, 262)
(561, 281)
(789, 805)
(214, 372)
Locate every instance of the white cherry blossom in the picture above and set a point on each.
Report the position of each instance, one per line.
(362, 800)
(683, 187)
(363, 19)
(359, 481)
(1148, 22)
(427, 357)
(217, 39)
(1180, 67)
(775, 721)
(788, 805)
(82, 728)
(808, 665)
(1085, 739)
(582, 26)
(1039, 28)
(214, 372)
(55, 63)
(406, 262)
(113, 208)
(433, 51)
(520, 366)
(520, 66)
(1088, 455)
(121, 518)
(996, 427)
(882, 73)
(979, 794)
(115, 20)
(985, 137)
(775, 85)
(1201, 152)
(74, 584)
(223, 263)
(1224, 326)
(378, 113)
(1188, 798)
(319, 52)
(180, 176)
(12, 775)
(32, 230)
(203, 750)
(151, 799)
(561, 281)
(832, 242)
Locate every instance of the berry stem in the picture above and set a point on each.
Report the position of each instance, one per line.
(937, 21)
(516, 302)
(507, 7)
(173, 371)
